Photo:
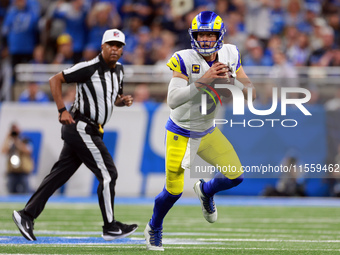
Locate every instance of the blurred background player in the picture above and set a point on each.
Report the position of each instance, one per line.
(187, 136)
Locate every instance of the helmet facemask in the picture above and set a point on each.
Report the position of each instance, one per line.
(214, 45)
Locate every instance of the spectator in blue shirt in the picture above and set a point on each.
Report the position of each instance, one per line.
(39, 55)
(294, 14)
(256, 57)
(131, 38)
(334, 22)
(299, 53)
(33, 93)
(140, 8)
(20, 29)
(312, 11)
(98, 21)
(75, 25)
(3, 8)
(277, 17)
(316, 56)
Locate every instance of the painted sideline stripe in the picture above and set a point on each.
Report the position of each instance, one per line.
(95, 240)
(46, 232)
(135, 240)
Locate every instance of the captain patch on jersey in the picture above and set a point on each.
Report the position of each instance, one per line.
(195, 68)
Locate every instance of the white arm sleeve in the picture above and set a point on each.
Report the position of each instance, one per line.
(238, 84)
(179, 92)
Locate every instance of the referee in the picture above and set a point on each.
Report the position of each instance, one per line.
(99, 87)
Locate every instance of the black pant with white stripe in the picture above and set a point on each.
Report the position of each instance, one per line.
(82, 144)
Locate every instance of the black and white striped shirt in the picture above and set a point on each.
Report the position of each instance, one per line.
(97, 88)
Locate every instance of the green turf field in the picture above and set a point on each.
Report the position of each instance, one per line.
(238, 230)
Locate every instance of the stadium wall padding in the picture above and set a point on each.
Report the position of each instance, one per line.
(135, 138)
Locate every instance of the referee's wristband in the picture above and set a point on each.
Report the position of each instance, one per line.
(61, 110)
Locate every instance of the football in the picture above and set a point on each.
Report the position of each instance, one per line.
(227, 79)
(226, 73)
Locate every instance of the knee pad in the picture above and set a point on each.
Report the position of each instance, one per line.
(174, 171)
(175, 181)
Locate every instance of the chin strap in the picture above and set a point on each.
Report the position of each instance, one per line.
(205, 51)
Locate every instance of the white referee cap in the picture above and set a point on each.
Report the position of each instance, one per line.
(113, 35)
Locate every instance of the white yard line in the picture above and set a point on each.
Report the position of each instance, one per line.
(238, 219)
(266, 240)
(183, 248)
(264, 230)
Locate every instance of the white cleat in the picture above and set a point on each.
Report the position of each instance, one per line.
(207, 203)
(153, 239)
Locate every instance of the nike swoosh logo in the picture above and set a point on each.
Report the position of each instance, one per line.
(173, 64)
(115, 232)
(28, 227)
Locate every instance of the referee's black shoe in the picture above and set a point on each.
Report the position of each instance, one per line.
(118, 230)
(24, 224)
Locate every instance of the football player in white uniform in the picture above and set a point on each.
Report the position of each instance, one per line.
(189, 132)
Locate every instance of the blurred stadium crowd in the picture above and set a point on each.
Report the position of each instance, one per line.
(67, 31)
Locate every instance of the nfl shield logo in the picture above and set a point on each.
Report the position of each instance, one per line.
(116, 34)
(176, 137)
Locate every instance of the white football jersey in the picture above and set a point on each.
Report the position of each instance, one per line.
(190, 63)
